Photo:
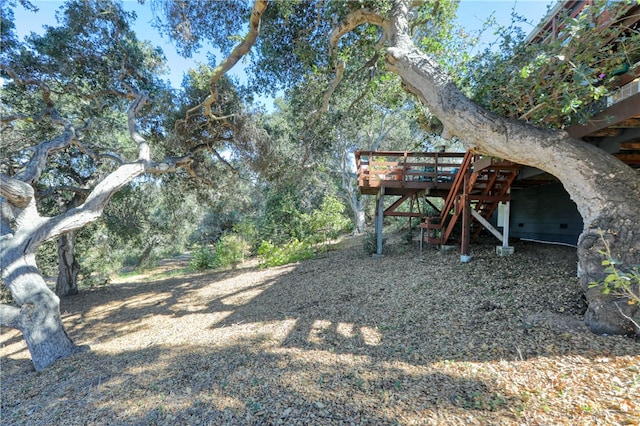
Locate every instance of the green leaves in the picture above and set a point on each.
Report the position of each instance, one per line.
(552, 83)
(621, 280)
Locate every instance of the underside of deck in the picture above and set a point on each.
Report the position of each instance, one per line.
(470, 186)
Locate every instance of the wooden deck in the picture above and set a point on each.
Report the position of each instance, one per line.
(466, 183)
(401, 173)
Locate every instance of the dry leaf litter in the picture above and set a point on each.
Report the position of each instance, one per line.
(414, 338)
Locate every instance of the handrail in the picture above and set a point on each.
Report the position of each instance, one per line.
(406, 166)
(455, 188)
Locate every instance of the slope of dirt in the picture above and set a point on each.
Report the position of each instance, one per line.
(412, 338)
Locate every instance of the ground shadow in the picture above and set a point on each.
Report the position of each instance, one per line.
(341, 337)
(251, 388)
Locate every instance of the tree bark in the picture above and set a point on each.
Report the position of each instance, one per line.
(68, 266)
(38, 315)
(146, 253)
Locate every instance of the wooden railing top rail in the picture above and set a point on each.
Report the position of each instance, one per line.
(410, 154)
(407, 166)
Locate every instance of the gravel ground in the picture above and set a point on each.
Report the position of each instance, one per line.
(412, 338)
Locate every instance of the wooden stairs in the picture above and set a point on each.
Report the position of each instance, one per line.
(483, 184)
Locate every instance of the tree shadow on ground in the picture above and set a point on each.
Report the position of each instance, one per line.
(345, 338)
(424, 308)
(236, 385)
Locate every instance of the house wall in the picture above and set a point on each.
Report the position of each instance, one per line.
(544, 213)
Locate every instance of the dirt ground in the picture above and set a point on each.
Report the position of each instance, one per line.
(412, 338)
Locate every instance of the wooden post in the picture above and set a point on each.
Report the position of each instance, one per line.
(465, 255)
(379, 222)
(505, 225)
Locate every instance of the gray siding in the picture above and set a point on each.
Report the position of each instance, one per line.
(544, 213)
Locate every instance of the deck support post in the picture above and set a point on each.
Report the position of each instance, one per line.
(465, 255)
(505, 249)
(379, 221)
(505, 225)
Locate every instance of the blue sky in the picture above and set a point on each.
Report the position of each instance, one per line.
(471, 14)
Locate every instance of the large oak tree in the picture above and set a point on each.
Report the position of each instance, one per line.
(292, 38)
(85, 95)
(289, 38)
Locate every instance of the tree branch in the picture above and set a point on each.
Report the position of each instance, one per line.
(170, 164)
(68, 188)
(144, 152)
(41, 152)
(637, 326)
(10, 316)
(97, 200)
(18, 193)
(327, 94)
(237, 53)
(46, 91)
(90, 210)
(353, 20)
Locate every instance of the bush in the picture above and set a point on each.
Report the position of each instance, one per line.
(328, 221)
(620, 280)
(293, 251)
(203, 258)
(230, 250)
(370, 243)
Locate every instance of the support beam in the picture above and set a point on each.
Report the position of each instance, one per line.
(484, 222)
(379, 222)
(465, 245)
(505, 226)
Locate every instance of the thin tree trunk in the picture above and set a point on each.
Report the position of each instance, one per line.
(146, 253)
(68, 266)
(358, 207)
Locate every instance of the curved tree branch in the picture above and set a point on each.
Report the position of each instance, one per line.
(46, 91)
(327, 94)
(237, 53)
(171, 164)
(17, 193)
(353, 20)
(134, 108)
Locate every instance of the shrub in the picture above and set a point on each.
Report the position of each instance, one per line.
(620, 280)
(328, 221)
(230, 250)
(293, 251)
(203, 258)
(370, 243)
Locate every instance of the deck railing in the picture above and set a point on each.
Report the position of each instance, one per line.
(376, 167)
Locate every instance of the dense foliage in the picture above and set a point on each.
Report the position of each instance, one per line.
(560, 81)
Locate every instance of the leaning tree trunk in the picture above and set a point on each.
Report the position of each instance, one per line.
(68, 266)
(605, 190)
(38, 314)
